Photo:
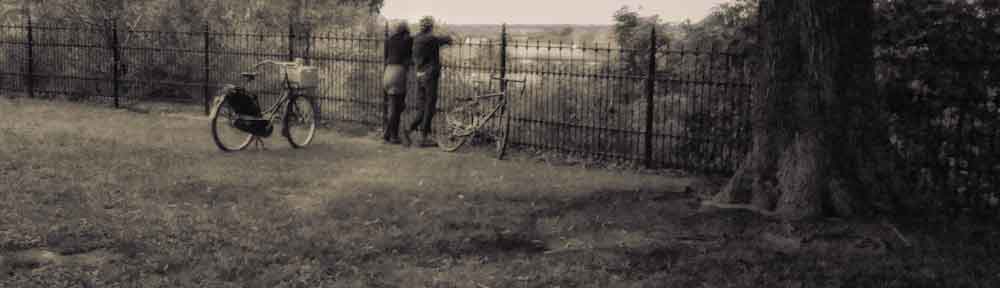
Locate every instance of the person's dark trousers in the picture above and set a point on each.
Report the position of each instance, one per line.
(427, 95)
(396, 105)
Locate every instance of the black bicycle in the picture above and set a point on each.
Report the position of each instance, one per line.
(237, 119)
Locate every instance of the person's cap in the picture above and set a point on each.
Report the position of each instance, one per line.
(427, 21)
(402, 26)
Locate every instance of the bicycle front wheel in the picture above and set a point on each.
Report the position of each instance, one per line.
(503, 136)
(300, 121)
(226, 136)
(450, 142)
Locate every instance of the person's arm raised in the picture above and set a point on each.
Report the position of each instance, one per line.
(446, 40)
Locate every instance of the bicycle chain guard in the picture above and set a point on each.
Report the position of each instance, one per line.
(258, 127)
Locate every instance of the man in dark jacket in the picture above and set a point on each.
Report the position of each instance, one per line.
(427, 58)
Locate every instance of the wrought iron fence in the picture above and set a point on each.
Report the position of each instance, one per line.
(667, 107)
(677, 108)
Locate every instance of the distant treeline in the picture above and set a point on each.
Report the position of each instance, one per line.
(188, 15)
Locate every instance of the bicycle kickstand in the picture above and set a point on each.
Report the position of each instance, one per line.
(259, 143)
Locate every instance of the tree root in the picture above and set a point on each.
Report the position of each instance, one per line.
(746, 207)
(898, 234)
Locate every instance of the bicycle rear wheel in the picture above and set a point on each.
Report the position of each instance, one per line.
(226, 136)
(300, 121)
(460, 123)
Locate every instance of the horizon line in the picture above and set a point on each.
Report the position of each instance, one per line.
(529, 24)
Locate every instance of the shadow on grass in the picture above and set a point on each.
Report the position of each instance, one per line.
(190, 216)
(639, 237)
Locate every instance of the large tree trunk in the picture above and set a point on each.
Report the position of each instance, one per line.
(817, 121)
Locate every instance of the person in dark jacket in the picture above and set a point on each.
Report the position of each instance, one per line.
(427, 59)
(398, 58)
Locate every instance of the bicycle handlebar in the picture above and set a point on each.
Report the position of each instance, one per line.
(285, 65)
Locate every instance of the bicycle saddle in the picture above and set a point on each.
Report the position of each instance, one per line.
(248, 75)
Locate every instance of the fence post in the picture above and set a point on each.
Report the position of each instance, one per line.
(385, 94)
(503, 57)
(650, 90)
(206, 37)
(504, 115)
(308, 39)
(31, 60)
(503, 66)
(116, 61)
(291, 41)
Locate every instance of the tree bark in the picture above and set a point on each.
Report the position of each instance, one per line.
(817, 123)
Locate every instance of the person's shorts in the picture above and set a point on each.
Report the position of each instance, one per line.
(394, 79)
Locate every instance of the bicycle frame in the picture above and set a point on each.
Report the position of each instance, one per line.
(482, 119)
(272, 112)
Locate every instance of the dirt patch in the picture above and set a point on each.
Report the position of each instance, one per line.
(486, 242)
(353, 129)
(40, 258)
(165, 108)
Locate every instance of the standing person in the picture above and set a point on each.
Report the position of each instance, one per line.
(427, 58)
(398, 58)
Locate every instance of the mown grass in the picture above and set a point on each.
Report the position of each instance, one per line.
(153, 204)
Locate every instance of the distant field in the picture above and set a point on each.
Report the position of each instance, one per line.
(97, 197)
(489, 29)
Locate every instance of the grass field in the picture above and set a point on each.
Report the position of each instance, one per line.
(97, 197)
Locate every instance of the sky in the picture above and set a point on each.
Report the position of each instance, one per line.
(543, 11)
